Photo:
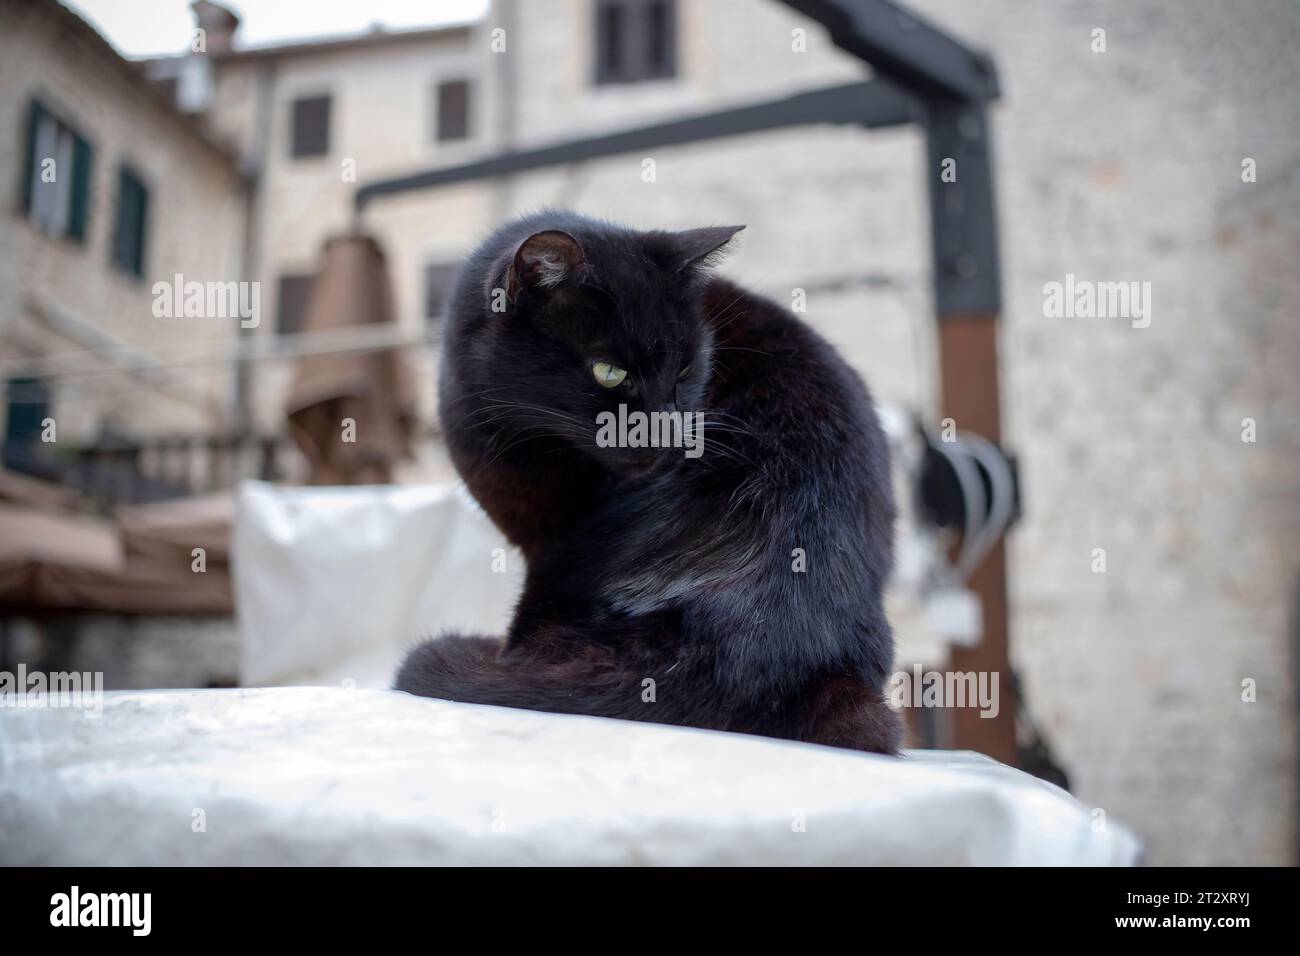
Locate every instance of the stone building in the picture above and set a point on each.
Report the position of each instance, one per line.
(313, 119)
(1164, 681)
(109, 190)
(1154, 579)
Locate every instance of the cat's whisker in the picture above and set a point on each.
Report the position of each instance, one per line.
(465, 398)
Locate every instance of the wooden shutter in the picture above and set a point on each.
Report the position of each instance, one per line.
(83, 157)
(34, 113)
(132, 216)
(29, 405)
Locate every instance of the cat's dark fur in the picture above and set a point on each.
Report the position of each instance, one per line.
(643, 565)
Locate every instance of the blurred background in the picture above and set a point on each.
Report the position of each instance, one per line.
(1147, 600)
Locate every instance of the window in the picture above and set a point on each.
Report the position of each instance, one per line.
(291, 310)
(635, 40)
(56, 181)
(438, 278)
(129, 231)
(29, 406)
(311, 127)
(453, 111)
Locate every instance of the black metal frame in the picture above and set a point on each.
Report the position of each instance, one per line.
(872, 103)
(921, 75)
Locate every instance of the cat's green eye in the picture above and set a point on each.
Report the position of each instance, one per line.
(610, 376)
(686, 370)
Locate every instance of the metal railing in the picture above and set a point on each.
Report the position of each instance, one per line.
(118, 470)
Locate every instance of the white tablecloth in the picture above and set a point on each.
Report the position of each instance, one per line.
(336, 776)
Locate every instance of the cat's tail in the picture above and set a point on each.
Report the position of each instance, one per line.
(583, 679)
(561, 672)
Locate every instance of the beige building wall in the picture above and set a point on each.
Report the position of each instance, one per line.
(1127, 165)
(857, 254)
(61, 299)
(382, 123)
(835, 212)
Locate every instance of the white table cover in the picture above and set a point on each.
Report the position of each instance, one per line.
(321, 776)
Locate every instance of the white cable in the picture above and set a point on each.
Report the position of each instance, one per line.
(1001, 506)
(972, 496)
(986, 518)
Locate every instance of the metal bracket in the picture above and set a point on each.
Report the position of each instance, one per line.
(963, 217)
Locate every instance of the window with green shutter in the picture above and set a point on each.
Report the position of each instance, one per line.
(129, 231)
(57, 174)
(29, 402)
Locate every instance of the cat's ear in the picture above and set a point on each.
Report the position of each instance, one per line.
(543, 261)
(701, 247)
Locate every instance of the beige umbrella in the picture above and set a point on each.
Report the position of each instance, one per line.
(66, 561)
(352, 414)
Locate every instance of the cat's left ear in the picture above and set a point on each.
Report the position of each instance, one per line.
(543, 261)
(701, 247)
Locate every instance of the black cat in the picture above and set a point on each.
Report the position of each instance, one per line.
(738, 590)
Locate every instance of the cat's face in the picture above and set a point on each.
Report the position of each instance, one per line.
(588, 332)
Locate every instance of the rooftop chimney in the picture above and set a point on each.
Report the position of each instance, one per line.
(217, 23)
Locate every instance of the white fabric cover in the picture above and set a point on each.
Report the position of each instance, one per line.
(333, 584)
(324, 776)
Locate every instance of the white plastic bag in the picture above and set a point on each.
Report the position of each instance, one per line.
(334, 584)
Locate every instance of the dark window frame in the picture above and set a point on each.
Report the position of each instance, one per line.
(634, 41)
(129, 248)
(28, 400)
(437, 277)
(293, 295)
(453, 120)
(309, 135)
